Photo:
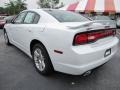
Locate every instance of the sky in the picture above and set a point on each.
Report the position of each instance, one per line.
(31, 4)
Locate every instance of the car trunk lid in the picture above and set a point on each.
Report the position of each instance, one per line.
(91, 31)
(90, 25)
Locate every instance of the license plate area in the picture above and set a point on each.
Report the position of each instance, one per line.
(107, 52)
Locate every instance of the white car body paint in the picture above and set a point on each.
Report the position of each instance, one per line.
(54, 35)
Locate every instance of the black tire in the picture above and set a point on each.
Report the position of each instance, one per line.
(48, 69)
(6, 38)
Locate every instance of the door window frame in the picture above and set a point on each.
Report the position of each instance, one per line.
(33, 18)
(18, 16)
(26, 12)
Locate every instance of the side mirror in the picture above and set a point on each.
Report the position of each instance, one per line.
(12, 21)
(6, 21)
(9, 21)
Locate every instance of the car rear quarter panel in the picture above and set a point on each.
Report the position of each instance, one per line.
(55, 37)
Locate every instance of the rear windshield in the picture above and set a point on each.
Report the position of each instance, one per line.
(66, 16)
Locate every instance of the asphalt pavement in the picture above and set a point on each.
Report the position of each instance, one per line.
(17, 72)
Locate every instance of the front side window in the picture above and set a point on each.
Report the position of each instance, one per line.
(29, 18)
(20, 18)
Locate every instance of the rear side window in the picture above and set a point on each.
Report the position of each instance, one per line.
(29, 18)
(36, 19)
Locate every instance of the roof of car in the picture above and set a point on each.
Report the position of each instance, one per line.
(37, 10)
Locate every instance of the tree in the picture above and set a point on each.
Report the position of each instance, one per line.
(47, 3)
(59, 5)
(2, 10)
(14, 7)
(10, 7)
(20, 5)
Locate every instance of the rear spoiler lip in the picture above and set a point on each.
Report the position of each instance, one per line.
(84, 24)
(99, 30)
(91, 22)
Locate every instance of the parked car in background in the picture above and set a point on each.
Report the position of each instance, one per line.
(6, 19)
(105, 20)
(61, 40)
(2, 22)
(2, 17)
(9, 19)
(99, 17)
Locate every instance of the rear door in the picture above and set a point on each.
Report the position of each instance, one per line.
(26, 31)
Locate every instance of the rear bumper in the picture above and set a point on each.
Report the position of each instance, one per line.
(82, 59)
(78, 70)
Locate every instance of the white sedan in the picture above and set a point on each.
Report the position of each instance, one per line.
(62, 41)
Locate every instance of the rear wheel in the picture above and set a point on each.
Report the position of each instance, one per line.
(41, 59)
(6, 38)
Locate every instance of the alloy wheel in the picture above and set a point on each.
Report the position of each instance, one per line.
(39, 59)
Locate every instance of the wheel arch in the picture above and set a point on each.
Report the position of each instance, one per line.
(35, 41)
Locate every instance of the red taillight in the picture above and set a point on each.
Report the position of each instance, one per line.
(81, 39)
(87, 37)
